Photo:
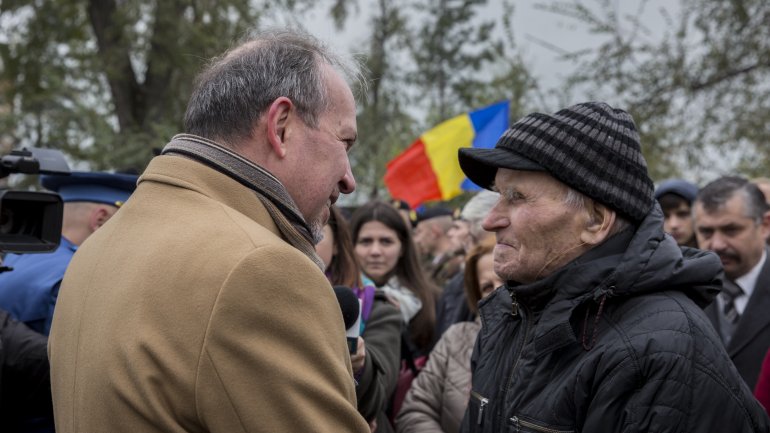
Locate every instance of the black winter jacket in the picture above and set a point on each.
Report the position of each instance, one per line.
(25, 384)
(615, 341)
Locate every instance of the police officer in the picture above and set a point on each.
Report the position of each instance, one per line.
(29, 292)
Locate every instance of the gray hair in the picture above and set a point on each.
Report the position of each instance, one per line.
(236, 89)
(477, 209)
(575, 200)
(579, 202)
(714, 195)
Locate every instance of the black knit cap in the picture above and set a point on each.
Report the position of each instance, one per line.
(591, 147)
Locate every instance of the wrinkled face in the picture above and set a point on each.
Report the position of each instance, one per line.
(378, 250)
(736, 238)
(323, 168)
(325, 248)
(678, 223)
(536, 231)
(488, 279)
(460, 235)
(425, 237)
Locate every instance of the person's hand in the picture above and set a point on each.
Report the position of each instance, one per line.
(359, 358)
(373, 425)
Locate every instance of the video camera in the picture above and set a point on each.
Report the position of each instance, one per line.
(31, 222)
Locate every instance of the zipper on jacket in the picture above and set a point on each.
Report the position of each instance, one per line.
(514, 303)
(526, 324)
(523, 342)
(482, 404)
(520, 423)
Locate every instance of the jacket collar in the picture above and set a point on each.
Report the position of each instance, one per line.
(265, 186)
(554, 298)
(188, 174)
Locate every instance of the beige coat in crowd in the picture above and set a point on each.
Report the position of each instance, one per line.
(187, 312)
(438, 397)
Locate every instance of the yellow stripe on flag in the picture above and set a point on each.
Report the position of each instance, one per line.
(441, 146)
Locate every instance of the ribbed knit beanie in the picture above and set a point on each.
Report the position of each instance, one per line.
(591, 147)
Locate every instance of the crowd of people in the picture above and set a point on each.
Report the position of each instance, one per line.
(569, 294)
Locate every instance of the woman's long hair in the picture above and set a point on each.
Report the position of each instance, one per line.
(407, 269)
(343, 268)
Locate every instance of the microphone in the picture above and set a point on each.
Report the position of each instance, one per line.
(351, 314)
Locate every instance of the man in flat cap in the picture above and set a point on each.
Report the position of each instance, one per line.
(439, 258)
(599, 326)
(30, 291)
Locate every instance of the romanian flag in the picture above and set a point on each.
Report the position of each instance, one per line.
(429, 168)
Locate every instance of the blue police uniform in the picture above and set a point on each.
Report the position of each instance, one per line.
(29, 292)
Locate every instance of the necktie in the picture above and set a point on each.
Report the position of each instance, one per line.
(730, 291)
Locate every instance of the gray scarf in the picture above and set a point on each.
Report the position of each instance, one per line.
(267, 188)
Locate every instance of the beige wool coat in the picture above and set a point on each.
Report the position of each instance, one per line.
(188, 312)
(439, 395)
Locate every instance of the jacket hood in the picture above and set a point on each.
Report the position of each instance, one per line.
(654, 262)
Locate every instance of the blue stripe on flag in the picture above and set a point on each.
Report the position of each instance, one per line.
(489, 124)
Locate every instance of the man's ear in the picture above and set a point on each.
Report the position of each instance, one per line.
(600, 220)
(99, 215)
(278, 115)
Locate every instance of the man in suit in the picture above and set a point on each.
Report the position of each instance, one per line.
(202, 305)
(732, 220)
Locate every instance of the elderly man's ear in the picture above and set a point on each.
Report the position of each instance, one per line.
(280, 115)
(599, 222)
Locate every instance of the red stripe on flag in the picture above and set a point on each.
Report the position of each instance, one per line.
(410, 177)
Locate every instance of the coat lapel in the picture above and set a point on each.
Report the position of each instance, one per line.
(755, 317)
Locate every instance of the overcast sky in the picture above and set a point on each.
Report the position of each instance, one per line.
(530, 26)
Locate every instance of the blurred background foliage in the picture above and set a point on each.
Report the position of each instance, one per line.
(107, 81)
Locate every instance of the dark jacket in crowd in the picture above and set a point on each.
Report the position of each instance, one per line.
(452, 305)
(751, 337)
(382, 336)
(615, 341)
(25, 382)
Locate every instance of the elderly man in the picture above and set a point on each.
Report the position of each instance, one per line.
(202, 305)
(431, 236)
(599, 327)
(732, 220)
